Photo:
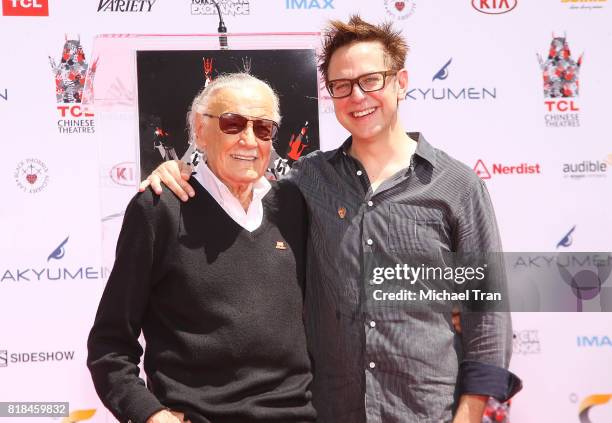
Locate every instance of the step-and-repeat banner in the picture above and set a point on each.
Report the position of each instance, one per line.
(516, 89)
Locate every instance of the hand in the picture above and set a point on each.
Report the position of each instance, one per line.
(166, 416)
(173, 173)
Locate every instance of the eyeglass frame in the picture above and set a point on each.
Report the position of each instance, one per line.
(248, 119)
(354, 81)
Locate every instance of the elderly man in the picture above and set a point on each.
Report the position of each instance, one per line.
(215, 284)
(387, 192)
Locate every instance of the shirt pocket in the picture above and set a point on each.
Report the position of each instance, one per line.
(415, 229)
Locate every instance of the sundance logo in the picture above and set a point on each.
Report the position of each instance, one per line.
(500, 169)
(494, 7)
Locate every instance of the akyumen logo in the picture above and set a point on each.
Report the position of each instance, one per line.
(44, 274)
(567, 239)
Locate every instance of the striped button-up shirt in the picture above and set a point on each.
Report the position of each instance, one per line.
(374, 366)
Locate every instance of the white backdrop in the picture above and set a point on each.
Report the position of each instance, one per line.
(68, 190)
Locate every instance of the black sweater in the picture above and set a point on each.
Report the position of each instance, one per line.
(220, 309)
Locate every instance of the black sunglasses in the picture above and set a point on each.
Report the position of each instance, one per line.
(233, 123)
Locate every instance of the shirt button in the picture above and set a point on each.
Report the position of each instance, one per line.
(370, 203)
(372, 324)
(372, 364)
(359, 173)
(369, 241)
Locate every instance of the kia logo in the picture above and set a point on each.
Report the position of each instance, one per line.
(124, 174)
(494, 7)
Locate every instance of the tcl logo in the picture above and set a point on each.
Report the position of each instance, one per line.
(74, 111)
(494, 7)
(124, 174)
(561, 106)
(25, 7)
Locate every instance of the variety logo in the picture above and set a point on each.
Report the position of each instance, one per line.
(494, 7)
(4, 95)
(526, 342)
(228, 7)
(31, 176)
(588, 403)
(124, 174)
(25, 7)
(567, 239)
(79, 415)
(400, 9)
(596, 341)
(585, 4)
(7, 358)
(586, 169)
(483, 171)
(125, 5)
(309, 4)
(56, 273)
(560, 76)
(73, 81)
(455, 93)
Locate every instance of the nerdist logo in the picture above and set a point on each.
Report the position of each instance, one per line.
(440, 90)
(586, 169)
(35, 357)
(228, 7)
(25, 7)
(486, 172)
(73, 82)
(309, 4)
(401, 9)
(560, 78)
(128, 6)
(494, 7)
(53, 273)
(526, 342)
(31, 175)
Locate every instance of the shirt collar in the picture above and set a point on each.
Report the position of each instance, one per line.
(424, 149)
(260, 187)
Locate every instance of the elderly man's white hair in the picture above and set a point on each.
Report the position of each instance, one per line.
(231, 80)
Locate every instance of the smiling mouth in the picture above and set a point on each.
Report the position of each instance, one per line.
(363, 113)
(243, 157)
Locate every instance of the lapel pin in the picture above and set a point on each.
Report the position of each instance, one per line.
(341, 212)
(280, 245)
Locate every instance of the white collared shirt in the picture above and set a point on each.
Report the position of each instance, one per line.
(250, 219)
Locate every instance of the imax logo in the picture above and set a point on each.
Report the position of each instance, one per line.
(309, 4)
(594, 341)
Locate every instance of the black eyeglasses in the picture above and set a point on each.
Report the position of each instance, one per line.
(233, 123)
(374, 81)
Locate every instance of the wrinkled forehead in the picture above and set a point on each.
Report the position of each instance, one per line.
(248, 100)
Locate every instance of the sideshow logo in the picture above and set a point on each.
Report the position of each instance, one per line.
(31, 176)
(124, 174)
(494, 7)
(594, 341)
(560, 77)
(455, 93)
(567, 239)
(585, 4)
(4, 95)
(228, 7)
(586, 169)
(309, 4)
(25, 7)
(402, 9)
(73, 82)
(588, 403)
(54, 274)
(500, 169)
(126, 5)
(526, 342)
(7, 358)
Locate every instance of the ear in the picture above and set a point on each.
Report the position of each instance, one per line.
(402, 81)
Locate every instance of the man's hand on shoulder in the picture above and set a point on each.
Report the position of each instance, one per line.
(165, 416)
(173, 173)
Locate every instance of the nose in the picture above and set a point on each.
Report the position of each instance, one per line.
(356, 93)
(247, 136)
